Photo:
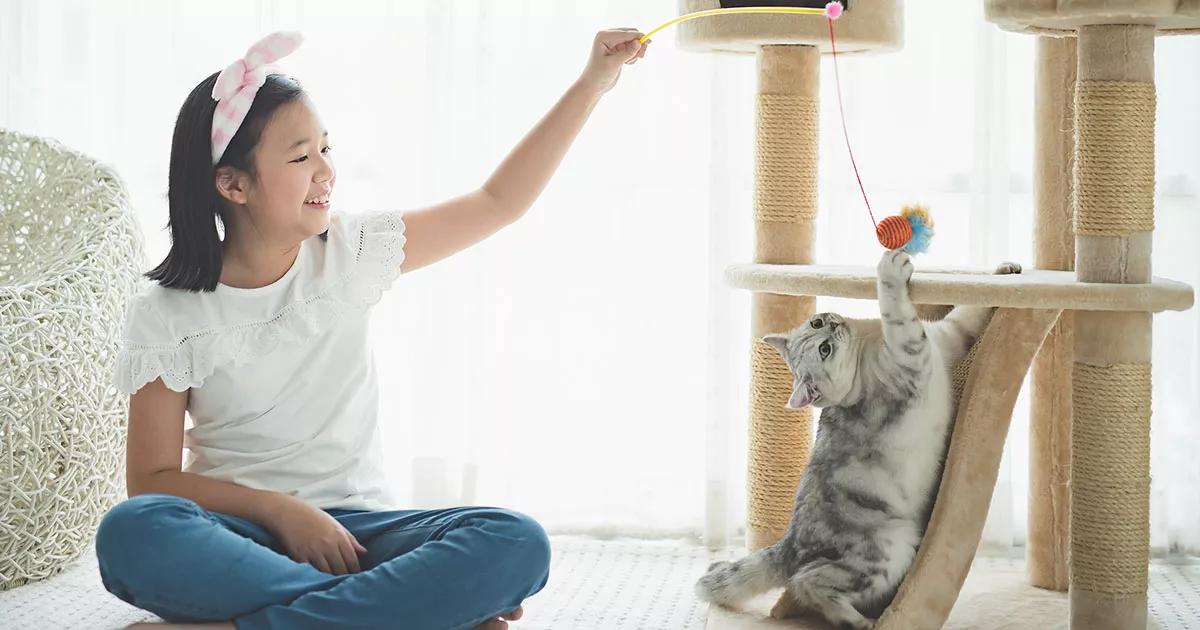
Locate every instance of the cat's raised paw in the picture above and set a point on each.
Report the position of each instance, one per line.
(895, 268)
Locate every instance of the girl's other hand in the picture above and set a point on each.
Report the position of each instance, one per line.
(612, 49)
(309, 534)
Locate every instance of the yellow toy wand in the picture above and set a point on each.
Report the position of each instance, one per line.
(829, 11)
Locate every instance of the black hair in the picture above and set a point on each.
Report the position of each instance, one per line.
(194, 260)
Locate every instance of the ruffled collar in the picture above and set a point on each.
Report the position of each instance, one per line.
(375, 245)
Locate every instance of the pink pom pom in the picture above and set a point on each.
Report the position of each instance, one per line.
(833, 10)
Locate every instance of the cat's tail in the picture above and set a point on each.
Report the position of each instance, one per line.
(729, 583)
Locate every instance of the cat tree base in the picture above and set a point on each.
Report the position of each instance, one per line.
(996, 596)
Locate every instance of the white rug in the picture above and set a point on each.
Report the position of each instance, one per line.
(614, 585)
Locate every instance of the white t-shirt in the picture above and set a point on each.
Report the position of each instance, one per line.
(284, 394)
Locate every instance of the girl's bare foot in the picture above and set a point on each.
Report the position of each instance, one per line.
(501, 622)
(224, 625)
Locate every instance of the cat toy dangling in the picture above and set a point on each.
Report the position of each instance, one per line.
(912, 229)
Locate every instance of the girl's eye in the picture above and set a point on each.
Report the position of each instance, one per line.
(303, 158)
(825, 349)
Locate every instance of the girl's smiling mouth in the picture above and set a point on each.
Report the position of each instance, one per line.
(320, 202)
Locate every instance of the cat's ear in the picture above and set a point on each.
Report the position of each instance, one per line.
(802, 395)
(779, 342)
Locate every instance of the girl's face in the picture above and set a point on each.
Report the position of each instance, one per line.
(290, 196)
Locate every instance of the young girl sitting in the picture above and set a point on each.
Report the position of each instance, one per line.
(280, 517)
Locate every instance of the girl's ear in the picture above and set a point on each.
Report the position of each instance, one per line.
(231, 184)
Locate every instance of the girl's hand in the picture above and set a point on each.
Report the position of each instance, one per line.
(612, 49)
(309, 534)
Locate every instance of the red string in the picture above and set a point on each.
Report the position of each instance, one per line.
(845, 134)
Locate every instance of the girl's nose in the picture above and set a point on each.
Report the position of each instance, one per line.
(326, 173)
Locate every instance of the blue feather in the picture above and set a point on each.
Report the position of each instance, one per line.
(922, 234)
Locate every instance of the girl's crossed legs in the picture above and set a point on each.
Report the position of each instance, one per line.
(439, 569)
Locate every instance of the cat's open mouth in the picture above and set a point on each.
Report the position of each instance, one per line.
(814, 394)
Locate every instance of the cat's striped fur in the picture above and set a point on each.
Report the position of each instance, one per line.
(864, 500)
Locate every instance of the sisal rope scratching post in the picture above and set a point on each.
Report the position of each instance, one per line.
(1054, 248)
(1113, 178)
(785, 207)
(1110, 432)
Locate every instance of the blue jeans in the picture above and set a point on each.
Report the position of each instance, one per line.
(428, 570)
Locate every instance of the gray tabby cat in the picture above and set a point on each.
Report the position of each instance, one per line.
(884, 388)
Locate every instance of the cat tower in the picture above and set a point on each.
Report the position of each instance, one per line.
(1082, 319)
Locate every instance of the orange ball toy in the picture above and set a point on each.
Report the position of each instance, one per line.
(893, 232)
(911, 230)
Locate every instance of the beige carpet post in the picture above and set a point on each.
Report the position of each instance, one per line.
(785, 207)
(1110, 432)
(1054, 248)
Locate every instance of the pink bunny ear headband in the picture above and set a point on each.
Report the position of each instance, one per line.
(238, 83)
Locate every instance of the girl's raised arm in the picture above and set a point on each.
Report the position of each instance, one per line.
(438, 231)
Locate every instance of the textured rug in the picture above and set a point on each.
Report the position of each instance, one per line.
(614, 585)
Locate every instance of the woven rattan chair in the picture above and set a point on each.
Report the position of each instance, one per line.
(70, 255)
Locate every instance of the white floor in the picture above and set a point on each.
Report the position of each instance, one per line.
(614, 585)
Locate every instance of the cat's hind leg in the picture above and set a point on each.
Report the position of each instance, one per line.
(729, 583)
(830, 589)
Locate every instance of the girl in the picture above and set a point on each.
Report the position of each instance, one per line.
(280, 518)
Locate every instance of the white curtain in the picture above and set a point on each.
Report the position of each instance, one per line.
(588, 365)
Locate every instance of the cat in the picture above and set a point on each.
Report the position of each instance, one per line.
(884, 390)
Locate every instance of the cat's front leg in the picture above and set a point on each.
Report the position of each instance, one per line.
(903, 334)
(964, 325)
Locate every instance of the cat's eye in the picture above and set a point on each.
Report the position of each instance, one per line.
(817, 323)
(824, 349)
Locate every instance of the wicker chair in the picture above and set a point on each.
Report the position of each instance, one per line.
(70, 254)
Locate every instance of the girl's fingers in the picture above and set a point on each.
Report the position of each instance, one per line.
(320, 563)
(640, 53)
(350, 558)
(634, 49)
(621, 37)
(619, 47)
(336, 563)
